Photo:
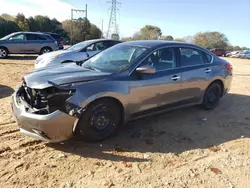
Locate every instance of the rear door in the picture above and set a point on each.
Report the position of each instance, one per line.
(33, 42)
(197, 72)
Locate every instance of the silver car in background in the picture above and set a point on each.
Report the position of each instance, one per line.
(77, 52)
(27, 43)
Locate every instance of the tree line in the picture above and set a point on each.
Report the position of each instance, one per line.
(82, 29)
(208, 40)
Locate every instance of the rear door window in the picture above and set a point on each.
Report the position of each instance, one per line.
(191, 57)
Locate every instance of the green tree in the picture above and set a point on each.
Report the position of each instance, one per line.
(115, 36)
(7, 27)
(22, 22)
(32, 24)
(43, 23)
(150, 32)
(80, 30)
(179, 40)
(211, 40)
(95, 32)
(168, 37)
(8, 17)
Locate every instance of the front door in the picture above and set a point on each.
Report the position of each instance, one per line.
(17, 43)
(196, 73)
(160, 90)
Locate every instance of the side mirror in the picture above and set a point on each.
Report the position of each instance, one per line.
(146, 69)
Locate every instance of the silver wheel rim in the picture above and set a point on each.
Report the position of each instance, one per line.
(3, 53)
(46, 51)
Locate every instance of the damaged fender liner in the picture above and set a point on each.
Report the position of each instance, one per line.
(48, 100)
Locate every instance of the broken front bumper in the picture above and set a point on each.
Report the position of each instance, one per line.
(54, 127)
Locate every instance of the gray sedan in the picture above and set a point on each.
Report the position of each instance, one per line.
(128, 81)
(77, 52)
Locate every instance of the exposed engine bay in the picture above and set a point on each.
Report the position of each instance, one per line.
(44, 101)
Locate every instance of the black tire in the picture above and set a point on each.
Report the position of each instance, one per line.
(100, 120)
(212, 96)
(3, 53)
(45, 50)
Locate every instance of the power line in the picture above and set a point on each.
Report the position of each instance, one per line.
(113, 27)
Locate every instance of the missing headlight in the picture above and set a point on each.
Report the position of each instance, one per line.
(45, 101)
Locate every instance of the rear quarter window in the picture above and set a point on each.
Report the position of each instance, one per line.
(207, 57)
(56, 36)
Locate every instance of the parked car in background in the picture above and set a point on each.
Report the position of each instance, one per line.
(218, 52)
(229, 54)
(77, 52)
(128, 81)
(247, 56)
(235, 54)
(244, 53)
(27, 43)
(58, 38)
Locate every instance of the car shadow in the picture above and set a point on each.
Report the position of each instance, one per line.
(173, 132)
(5, 91)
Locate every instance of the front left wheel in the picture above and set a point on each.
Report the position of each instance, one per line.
(3, 53)
(99, 121)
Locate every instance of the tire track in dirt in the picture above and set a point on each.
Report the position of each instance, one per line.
(30, 143)
(9, 132)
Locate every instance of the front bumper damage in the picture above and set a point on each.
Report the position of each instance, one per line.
(51, 126)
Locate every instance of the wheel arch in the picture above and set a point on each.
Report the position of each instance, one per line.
(117, 101)
(5, 48)
(220, 82)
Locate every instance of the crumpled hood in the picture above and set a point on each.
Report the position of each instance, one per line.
(63, 74)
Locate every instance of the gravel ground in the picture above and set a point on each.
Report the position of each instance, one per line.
(160, 151)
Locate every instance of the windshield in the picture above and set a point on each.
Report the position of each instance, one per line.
(8, 36)
(115, 59)
(78, 46)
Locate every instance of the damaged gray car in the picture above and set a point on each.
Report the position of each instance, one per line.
(131, 80)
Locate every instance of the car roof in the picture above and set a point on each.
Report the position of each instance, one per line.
(155, 43)
(100, 40)
(26, 32)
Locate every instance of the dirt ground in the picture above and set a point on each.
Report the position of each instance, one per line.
(184, 148)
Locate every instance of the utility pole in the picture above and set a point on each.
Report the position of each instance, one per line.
(113, 27)
(72, 19)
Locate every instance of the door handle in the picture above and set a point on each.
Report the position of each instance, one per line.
(208, 70)
(175, 78)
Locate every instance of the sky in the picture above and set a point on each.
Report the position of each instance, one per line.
(178, 18)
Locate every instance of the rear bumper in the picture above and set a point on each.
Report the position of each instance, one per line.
(54, 127)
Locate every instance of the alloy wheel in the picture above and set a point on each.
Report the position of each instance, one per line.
(3, 53)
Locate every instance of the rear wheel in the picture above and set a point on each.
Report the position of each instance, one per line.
(45, 50)
(99, 121)
(3, 53)
(212, 96)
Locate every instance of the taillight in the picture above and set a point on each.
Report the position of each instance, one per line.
(229, 67)
(61, 41)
